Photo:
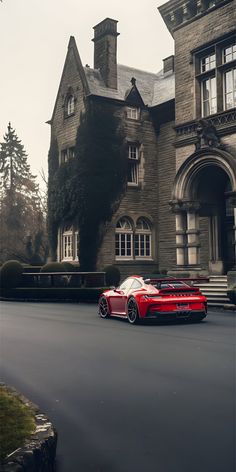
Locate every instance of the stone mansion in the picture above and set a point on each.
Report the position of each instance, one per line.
(179, 209)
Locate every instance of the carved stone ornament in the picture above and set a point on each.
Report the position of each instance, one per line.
(206, 135)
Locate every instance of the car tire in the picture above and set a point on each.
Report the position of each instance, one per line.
(103, 309)
(132, 311)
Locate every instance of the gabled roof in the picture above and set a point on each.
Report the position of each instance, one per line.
(133, 96)
(154, 89)
(72, 46)
(151, 89)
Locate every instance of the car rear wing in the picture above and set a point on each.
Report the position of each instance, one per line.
(187, 287)
(175, 279)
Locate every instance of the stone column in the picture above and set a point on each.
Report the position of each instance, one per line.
(180, 221)
(192, 236)
(234, 228)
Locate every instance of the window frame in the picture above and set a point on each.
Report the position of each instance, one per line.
(133, 116)
(146, 234)
(233, 91)
(135, 234)
(219, 72)
(69, 238)
(211, 97)
(69, 104)
(126, 240)
(67, 235)
(66, 154)
(133, 164)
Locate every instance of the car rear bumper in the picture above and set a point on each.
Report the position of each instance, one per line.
(176, 315)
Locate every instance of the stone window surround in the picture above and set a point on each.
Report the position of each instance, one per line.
(216, 71)
(133, 162)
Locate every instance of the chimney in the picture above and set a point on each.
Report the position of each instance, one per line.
(169, 64)
(105, 51)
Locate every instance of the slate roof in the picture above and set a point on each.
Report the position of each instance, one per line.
(153, 88)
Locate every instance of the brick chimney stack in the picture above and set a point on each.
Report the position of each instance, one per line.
(105, 51)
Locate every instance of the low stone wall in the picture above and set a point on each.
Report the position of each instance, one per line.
(38, 453)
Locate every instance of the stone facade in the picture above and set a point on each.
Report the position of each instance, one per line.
(178, 213)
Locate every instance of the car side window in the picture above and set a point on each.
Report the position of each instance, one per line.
(136, 284)
(125, 286)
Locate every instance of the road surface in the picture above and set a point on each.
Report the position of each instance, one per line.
(149, 398)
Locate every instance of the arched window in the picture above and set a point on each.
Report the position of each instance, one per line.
(124, 239)
(142, 239)
(70, 105)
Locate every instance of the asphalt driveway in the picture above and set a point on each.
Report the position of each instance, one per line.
(149, 398)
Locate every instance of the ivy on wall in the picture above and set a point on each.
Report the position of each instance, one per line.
(86, 191)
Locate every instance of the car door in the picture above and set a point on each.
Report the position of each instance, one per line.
(119, 297)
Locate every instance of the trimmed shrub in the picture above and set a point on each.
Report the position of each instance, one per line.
(68, 266)
(112, 275)
(11, 274)
(53, 267)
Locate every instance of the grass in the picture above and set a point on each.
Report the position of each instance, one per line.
(16, 422)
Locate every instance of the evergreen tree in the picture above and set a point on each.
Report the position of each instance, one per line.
(20, 211)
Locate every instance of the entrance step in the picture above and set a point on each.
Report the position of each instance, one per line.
(215, 290)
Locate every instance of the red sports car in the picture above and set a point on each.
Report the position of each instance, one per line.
(162, 299)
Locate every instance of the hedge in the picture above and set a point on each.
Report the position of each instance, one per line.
(54, 293)
(11, 274)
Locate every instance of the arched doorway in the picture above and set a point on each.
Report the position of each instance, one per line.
(205, 207)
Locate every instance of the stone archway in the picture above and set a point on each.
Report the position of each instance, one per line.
(204, 203)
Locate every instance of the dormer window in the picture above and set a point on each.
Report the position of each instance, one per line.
(132, 113)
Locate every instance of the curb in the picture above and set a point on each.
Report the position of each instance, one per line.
(46, 300)
(39, 451)
(230, 306)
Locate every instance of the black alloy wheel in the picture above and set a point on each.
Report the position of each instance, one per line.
(103, 309)
(132, 311)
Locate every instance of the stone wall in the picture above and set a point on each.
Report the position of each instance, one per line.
(166, 175)
(39, 451)
(64, 128)
(208, 28)
(141, 200)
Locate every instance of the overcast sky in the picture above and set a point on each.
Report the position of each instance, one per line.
(33, 46)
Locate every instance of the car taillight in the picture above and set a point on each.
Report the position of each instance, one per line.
(147, 297)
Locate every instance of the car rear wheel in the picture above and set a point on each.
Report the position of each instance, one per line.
(103, 309)
(132, 311)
